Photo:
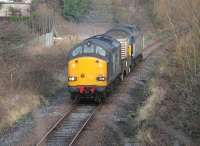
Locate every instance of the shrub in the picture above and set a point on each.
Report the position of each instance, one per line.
(75, 9)
(19, 18)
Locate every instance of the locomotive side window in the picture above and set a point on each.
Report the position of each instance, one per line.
(114, 43)
(77, 51)
(100, 51)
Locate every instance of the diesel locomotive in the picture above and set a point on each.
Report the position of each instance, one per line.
(96, 63)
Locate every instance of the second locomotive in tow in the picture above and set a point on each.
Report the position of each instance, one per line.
(95, 64)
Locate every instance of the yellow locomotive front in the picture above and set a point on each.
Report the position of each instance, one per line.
(87, 73)
(87, 69)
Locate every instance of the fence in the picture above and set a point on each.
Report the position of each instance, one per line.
(45, 40)
(14, 9)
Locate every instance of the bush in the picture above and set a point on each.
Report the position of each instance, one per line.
(19, 18)
(75, 9)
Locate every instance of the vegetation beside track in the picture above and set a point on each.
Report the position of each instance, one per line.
(75, 9)
(176, 112)
(29, 75)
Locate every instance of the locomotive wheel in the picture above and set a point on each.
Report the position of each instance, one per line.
(140, 58)
(98, 99)
(132, 67)
(135, 63)
(122, 77)
(104, 95)
(74, 96)
(129, 69)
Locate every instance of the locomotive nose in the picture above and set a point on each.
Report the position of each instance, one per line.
(90, 71)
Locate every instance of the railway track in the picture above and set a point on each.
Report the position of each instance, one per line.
(161, 41)
(67, 130)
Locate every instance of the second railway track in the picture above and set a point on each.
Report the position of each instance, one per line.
(67, 130)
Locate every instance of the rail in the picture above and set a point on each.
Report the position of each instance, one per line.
(68, 128)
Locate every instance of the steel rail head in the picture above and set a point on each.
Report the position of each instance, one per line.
(44, 137)
(75, 138)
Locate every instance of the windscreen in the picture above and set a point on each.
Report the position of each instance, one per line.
(88, 49)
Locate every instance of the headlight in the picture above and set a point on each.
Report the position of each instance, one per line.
(72, 78)
(101, 78)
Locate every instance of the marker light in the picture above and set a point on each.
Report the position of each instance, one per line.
(101, 78)
(72, 78)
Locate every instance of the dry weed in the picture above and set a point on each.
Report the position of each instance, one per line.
(180, 106)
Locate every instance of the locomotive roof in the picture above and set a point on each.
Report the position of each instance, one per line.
(104, 41)
(127, 29)
(123, 29)
(131, 27)
(107, 43)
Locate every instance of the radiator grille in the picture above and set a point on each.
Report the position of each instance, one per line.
(124, 48)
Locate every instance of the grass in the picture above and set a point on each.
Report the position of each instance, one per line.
(14, 107)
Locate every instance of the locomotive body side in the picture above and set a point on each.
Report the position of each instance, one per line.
(131, 41)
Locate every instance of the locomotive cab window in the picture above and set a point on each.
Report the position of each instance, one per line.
(89, 48)
(77, 51)
(100, 51)
(116, 44)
